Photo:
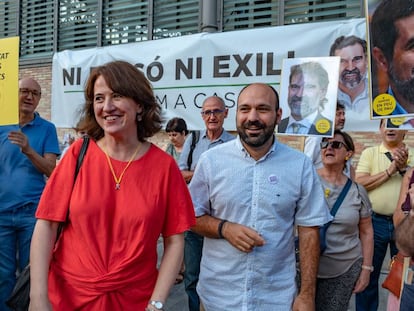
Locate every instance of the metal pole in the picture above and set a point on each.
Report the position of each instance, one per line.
(209, 16)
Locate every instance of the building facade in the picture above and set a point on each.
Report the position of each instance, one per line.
(49, 26)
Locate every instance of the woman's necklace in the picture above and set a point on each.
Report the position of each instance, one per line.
(119, 179)
(333, 185)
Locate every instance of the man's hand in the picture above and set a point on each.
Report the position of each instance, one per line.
(43, 163)
(362, 281)
(400, 157)
(19, 139)
(303, 303)
(187, 175)
(241, 237)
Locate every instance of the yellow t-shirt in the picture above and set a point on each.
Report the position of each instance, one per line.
(373, 161)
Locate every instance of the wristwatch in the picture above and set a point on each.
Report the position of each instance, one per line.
(403, 171)
(370, 268)
(158, 305)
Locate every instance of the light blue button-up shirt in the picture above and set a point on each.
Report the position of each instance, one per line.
(269, 195)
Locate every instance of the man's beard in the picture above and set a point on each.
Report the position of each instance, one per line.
(339, 126)
(301, 106)
(350, 84)
(257, 140)
(404, 87)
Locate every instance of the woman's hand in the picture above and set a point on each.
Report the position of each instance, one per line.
(362, 281)
(42, 304)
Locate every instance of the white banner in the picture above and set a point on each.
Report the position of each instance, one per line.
(185, 70)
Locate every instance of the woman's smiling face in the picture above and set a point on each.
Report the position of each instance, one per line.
(114, 112)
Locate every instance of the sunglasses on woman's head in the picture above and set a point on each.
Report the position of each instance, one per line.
(334, 144)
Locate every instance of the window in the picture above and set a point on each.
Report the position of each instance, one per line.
(36, 31)
(78, 24)
(299, 11)
(48, 26)
(8, 20)
(250, 14)
(124, 21)
(174, 18)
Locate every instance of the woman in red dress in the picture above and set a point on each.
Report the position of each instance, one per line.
(127, 193)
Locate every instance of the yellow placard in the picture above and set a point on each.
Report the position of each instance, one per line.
(9, 81)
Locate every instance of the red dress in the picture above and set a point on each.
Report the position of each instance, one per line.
(107, 255)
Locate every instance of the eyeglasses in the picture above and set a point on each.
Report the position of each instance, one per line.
(26, 92)
(207, 113)
(334, 144)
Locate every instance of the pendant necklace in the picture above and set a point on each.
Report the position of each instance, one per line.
(327, 190)
(119, 179)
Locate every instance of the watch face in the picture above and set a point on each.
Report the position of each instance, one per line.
(157, 304)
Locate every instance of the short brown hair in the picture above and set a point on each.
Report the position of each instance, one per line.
(126, 80)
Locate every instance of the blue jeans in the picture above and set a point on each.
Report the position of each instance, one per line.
(383, 235)
(193, 248)
(16, 229)
(407, 297)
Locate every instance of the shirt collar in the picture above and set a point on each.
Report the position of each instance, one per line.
(34, 121)
(246, 153)
(203, 134)
(383, 149)
(349, 104)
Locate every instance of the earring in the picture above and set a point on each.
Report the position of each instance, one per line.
(346, 158)
(139, 117)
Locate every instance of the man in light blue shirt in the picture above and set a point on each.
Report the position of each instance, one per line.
(248, 195)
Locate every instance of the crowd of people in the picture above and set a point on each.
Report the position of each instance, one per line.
(228, 207)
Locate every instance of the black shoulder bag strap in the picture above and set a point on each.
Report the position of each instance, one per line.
(341, 197)
(81, 155)
(195, 136)
(389, 156)
(79, 162)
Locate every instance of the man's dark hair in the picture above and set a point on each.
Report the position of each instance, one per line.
(271, 87)
(340, 105)
(342, 42)
(276, 95)
(383, 30)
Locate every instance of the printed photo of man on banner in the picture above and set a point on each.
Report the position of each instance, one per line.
(308, 96)
(353, 86)
(392, 61)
